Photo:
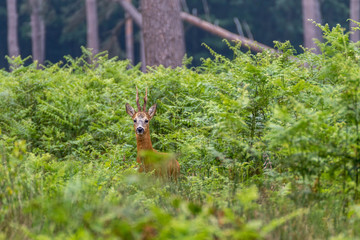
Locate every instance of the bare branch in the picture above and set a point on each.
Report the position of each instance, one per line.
(132, 11)
(238, 26)
(255, 46)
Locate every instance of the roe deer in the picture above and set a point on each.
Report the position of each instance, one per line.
(149, 159)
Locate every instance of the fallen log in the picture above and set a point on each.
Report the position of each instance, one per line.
(211, 28)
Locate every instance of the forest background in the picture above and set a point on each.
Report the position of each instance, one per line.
(268, 140)
(261, 20)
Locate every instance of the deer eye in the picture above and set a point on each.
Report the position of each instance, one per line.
(134, 120)
(146, 121)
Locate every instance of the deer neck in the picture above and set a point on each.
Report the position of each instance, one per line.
(144, 142)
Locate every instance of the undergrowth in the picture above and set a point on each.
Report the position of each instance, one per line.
(268, 143)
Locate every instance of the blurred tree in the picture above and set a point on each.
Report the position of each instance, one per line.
(110, 25)
(311, 12)
(3, 32)
(265, 20)
(129, 37)
(12, 24)
(354, 15)
(163, 32)
(37, 31)
(92, 26)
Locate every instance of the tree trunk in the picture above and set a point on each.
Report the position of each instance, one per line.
(311, 10)
(92, 26)
(129, 36)
(354, 15)
(142, 53)
(163, 32)
(37, 31)
(12, 24)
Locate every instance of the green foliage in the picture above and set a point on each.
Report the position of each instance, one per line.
(268, 145)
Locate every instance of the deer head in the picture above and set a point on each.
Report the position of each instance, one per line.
(141, 118)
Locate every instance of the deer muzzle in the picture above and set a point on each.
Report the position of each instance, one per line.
(140, 130)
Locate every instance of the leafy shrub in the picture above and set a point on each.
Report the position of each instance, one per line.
(268, 144)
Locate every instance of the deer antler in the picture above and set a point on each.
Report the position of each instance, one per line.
(137, 100)
(145, 100)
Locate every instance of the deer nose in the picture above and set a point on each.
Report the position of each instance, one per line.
(140, 130)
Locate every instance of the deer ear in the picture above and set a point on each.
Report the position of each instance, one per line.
(130, 110)
(152, 110)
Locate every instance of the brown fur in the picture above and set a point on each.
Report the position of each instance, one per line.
(167, 166)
